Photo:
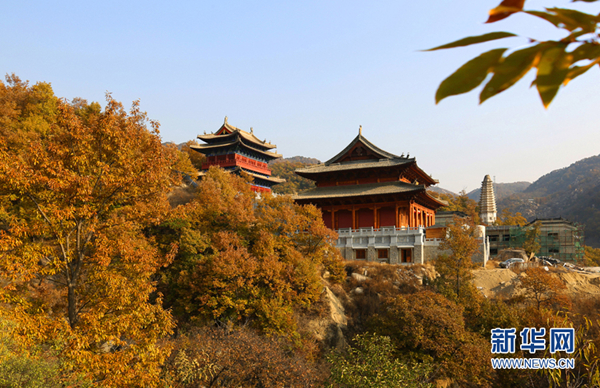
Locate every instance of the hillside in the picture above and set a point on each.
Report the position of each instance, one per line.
(296, 159)
(501, 190)
(284, 168)
(441, 190)
(572, 192)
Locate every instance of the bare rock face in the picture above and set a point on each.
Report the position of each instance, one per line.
(330, 328)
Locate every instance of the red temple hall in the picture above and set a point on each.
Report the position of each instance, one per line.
(236, 150)
(377, 201)
(365, 186)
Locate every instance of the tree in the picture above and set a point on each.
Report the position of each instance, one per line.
(531, 245)
(371, 363)
(461, 203)
(507, 218)
(557, 61)
(294, 183)
(78, 187)
(455, 269)
(241, 258)
(592, 256)
(427, 326)
(237, 357)
(196, 157)
(543, 287)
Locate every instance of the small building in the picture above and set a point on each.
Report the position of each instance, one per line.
(559, 238)
(236, 150)
(376, 201)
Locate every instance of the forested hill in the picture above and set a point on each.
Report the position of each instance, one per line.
(501, 190)
(580, 175)
(284, 168)
(440, 190)
(297, 159)
(572, 192)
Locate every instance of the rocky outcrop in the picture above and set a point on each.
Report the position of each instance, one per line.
(329, 328)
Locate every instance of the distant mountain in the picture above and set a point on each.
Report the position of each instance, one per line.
(297, 159)
(572, 192)
(441, 190)
(501, 190)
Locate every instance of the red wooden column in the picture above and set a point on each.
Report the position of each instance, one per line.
(333, 219)
(375, 226)
(354, 226)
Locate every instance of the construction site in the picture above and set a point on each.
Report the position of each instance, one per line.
(558, 238)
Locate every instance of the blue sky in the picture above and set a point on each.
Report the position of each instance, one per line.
(306, 74)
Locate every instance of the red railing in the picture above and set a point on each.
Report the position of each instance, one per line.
(231, 160)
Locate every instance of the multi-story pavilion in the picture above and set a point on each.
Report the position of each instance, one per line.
(237, 150)
(376, 200)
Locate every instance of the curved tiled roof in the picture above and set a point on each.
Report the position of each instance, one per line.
(360, 190)
(372, 147)
(359, 164)
(206, 147)
(249, 136)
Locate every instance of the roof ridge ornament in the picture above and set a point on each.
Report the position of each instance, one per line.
(252, 130)
(225, 120)
(360, 130)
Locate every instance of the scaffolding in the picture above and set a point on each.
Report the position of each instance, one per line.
(559, 238)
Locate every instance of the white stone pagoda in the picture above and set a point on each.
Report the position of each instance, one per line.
(487, 202)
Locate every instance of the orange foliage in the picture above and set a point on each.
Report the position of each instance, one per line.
(247, 258)
(77, 188)
(544, 288)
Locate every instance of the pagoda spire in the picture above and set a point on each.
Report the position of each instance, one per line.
(487, 201)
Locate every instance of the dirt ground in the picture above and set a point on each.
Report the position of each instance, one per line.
(499, 282)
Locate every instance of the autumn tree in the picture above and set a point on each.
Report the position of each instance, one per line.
(543, 287)
(557, 61)
(197, 159)
(461, 203)
(427, 326)
(78, 187)
(246, 258)
(592, 256)
(237, 357)
(183, 163)
(506, 217)
(455, 268)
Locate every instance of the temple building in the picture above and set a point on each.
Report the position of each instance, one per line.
(236, 150)
(376, 201)
(487, 202)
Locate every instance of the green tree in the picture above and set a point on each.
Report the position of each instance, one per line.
(557, 61)
(78, 187)
(532, 245)
(370, 363)
(455, 268)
